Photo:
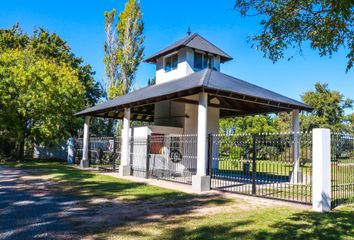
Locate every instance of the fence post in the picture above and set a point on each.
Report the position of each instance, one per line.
(321, 170)
(210, 153)
(254, 164)
(85, 161)
(147, 168)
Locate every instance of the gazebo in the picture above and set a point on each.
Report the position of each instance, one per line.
(190, 94)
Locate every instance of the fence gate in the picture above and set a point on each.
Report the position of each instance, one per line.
(263, 165)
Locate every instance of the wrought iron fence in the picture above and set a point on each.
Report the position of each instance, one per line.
(167, 157)
(172, 157)
(263, 165)
(342, 169)
(104, 152)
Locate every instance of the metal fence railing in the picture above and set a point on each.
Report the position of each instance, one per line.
(104, 152)
(173, 157)
(263, 165)
(167, 157)
(342, 169)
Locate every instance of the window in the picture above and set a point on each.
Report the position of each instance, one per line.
(171, 62)
(202, 61)
(198, 60)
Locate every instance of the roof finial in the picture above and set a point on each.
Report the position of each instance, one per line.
(189, 31)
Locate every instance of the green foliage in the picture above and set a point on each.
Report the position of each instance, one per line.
(38, 97)
(248, 124)
(110, 59)
(123, 48)
(327, 25)
(329, 109)
(130, 39)
(42, 85)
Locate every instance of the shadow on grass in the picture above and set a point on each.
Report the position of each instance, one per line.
(39, 202)
(168, 210)
(335, 225)
(298, 226)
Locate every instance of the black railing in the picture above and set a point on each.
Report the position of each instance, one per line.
(104, 152)
(342, 169)
(263, 165)
(172, 157)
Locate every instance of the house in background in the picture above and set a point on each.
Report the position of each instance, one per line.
(191, 94)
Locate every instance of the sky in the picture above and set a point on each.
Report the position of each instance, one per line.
(81, 24)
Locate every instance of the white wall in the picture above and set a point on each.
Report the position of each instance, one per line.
(169, 113)
(191, 123)
(184, 68)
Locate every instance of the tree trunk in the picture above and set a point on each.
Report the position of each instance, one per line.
(21, 150)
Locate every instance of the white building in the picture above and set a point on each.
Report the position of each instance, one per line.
(185, 104)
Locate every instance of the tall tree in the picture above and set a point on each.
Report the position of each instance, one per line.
(110, 59)
(130, 43)
(329, 109)
(327, 24)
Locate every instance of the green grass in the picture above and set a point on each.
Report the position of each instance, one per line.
(276, 168)
(92, 184)
(224, 219)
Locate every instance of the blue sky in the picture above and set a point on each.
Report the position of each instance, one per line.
(81, 24)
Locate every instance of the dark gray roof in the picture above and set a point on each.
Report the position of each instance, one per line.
(207, 80)
(194, 41)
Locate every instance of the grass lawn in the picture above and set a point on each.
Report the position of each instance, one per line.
(165, 214)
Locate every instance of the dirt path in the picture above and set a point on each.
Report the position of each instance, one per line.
(33, 207)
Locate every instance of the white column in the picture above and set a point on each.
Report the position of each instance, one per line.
(124, 168)
(201, 182)
(296, 174)
(321, 170)
(84, 163)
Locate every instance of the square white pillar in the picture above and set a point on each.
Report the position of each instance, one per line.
(296, 176)
(124, 168)
(84, 163)
(321, 170)
(200, 181)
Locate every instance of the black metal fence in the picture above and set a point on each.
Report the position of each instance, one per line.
(167, 157)
(342, 169)
(173, 158)
(263, 165)
(104, 152)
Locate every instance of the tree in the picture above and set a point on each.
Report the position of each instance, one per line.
(32, 68)
(349, 126)
(50, 45)
(329, 109)
(327, 25)
(130, 43)
(38, 97)
(247, 124)
(110, 59)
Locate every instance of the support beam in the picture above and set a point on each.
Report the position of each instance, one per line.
(84, 163)
(124, 168)
(200, 181)
(321, 170)
(296, 176)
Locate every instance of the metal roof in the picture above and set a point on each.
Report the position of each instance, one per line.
(194, 41)
(234, 95)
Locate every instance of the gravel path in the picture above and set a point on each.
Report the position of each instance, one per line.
(28, 210)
